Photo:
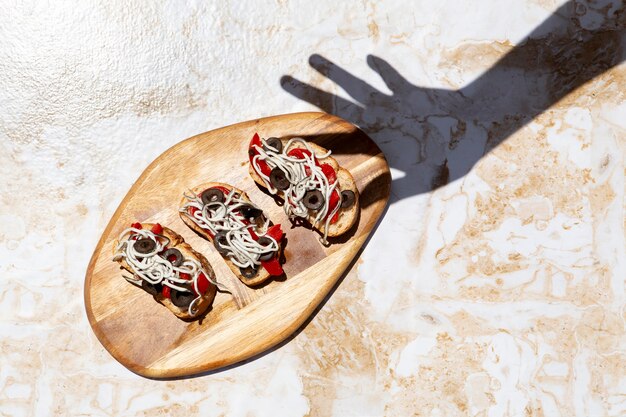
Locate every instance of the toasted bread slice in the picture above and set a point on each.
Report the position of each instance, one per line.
(177, 242)
(347, 216)
(262, 274)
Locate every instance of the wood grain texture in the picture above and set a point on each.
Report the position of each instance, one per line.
(148, 339)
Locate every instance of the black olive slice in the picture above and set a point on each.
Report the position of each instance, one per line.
(152, 289)
(144, 245)
(178, 257)
(347, 198)
(265, 241)
(279, 179)
(212, 195)
(250, 212)
(248, 272)
(181, 298)
(274, 144)
(220, 241)
(313, 200)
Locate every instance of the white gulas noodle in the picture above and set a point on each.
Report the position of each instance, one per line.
(299, 182)
(241, 249)
(155, 269)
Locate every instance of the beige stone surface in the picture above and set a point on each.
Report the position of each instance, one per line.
(493, 286)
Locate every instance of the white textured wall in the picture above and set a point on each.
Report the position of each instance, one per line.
(501, 293)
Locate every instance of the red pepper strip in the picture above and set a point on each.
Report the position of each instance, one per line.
(184, 275)
(166, 291)
(157, 229)
(330, 173)
(252, 152)
(254, 235)
(203, 284)
(334, 200)
(299, 153)
(256, 140)
(275, 232)
(273, 266)
(133, 235)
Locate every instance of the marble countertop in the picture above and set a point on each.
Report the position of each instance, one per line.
(494, 284)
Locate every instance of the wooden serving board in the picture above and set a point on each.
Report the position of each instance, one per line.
(145, 336)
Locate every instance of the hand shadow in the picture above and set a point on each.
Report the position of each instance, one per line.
(435, 136)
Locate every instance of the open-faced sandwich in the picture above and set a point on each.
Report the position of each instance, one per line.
(311, 183)
(166, 267)
(238, 229)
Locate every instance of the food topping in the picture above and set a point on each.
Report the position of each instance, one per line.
(203, 283)
(279, 179)
(265, 241)
(309, 187)
(157, 268)
(274, 144)
(165, 291)
(212, 195)
(220, 241)
(347, 198)
(250, 212)
(152, 289)
(252, 153)
(272, 266)
(314, 200)
(248, 271)
(174, 256)
(144, 245)
(238, 229)
(181, 298)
